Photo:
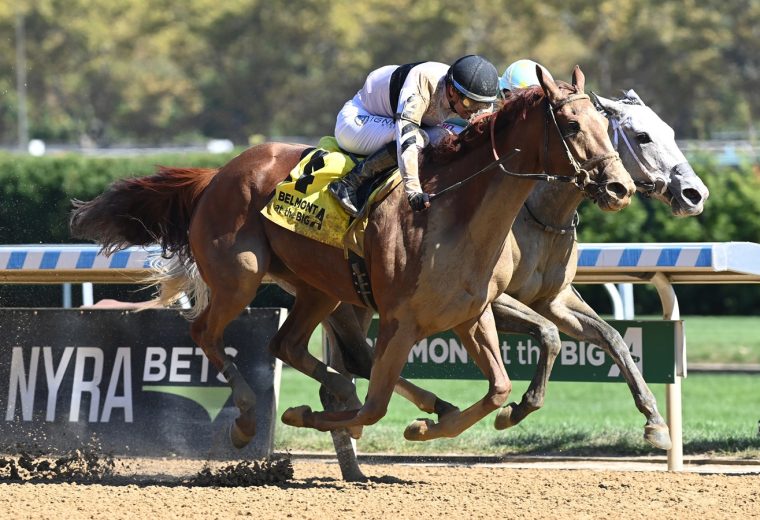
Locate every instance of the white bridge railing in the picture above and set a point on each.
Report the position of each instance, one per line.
(660, 264)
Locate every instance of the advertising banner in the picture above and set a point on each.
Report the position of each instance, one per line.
(134, 381)
(652, 345)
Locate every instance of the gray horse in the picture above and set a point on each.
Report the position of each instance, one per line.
(544, 254)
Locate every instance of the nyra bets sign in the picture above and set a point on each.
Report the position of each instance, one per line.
(135, 380)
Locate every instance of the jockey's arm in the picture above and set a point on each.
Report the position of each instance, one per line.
(410, 139)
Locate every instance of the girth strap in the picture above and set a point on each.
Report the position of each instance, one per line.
(360, 278)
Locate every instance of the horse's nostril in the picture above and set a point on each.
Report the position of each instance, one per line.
(692, 196)
(617, 189)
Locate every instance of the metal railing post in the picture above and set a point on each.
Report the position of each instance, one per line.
(673, 390)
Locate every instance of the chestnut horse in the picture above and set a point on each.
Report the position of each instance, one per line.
(429, 271)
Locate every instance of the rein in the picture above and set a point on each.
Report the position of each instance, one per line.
(498, 162)
(581, 179)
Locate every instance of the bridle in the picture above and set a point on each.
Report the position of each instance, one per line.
(647, 188)
(582, 178)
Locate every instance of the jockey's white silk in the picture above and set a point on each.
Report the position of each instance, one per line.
(367, 122)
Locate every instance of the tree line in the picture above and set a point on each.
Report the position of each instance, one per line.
(160, 71)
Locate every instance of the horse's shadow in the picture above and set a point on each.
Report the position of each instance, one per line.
(144, 481)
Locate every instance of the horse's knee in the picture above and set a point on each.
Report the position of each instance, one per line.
(288, 351)
(498, 394)
(550, 340)
(274, 348)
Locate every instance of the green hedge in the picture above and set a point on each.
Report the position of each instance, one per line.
(35, 196)
(36, 192)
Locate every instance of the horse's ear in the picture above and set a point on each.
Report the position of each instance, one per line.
(631, 94)
(547, 83)
(579, 79)
(609, 106)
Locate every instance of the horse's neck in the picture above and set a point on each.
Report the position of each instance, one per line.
(480, 213)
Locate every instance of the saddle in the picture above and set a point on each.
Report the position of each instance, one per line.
(302, 204)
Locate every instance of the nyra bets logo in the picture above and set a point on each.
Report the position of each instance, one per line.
(79, 384)
(174, 365)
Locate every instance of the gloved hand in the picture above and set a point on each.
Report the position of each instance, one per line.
(419, 201)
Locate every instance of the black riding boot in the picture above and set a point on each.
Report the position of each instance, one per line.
(345, 189)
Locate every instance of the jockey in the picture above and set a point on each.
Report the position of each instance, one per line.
(393, 104)
(520, 74)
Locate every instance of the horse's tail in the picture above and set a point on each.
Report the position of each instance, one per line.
(177, 280)
(144, 210)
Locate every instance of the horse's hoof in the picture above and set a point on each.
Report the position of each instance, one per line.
(354, 476)
(296, 416)
(243, 428)
(355, 432)
(658, 435)
(418, 430)
(238, 437)
(504, 417)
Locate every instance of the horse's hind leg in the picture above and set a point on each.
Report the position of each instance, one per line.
(335, 356)
(513, 316)
(575, 318)
(232, 286)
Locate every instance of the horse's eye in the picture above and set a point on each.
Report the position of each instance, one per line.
(643, 138)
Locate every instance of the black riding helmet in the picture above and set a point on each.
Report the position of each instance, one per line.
(475, 77)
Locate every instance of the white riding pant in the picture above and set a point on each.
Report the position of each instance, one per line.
(357, 131)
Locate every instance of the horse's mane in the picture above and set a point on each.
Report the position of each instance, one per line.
(514, 108)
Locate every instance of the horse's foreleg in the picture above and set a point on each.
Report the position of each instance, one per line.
(575, 318)
(482, 343)
(513, 316)
(290, 345)
(347, 329)
(392, 347)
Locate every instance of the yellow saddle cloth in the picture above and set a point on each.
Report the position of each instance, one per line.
(302, 204)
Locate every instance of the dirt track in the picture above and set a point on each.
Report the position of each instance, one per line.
(149, 489)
